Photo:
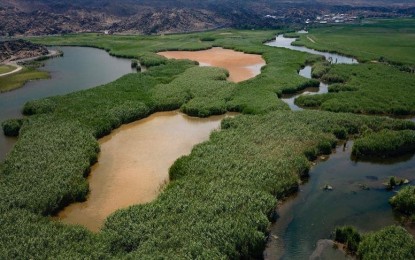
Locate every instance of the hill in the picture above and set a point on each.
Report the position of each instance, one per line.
(30, 17)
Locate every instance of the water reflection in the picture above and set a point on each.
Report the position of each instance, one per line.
(359, 198)
(80, 68)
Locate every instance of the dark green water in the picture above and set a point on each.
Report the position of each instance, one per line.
(80, 68)
(313, 213)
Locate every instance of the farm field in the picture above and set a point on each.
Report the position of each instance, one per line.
(221, 198)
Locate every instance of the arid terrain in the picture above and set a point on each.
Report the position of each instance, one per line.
(24, 17)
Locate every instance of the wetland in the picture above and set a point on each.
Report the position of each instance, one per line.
(226, 188)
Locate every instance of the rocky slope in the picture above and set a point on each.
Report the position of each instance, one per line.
(20, 49)
(39, 17)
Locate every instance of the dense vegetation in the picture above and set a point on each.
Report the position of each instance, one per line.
(17, 80)
(392, 242)
(404, 201)
(364, 89)
(380, 40)
(385, 143)
(348, 236)
(389, 243)
(233, 221)
(221, 197)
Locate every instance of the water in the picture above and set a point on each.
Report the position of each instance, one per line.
(241, 66)
(309, 218)
(134, 163)
(80, 68)
(313, 213)
(290, 99)
(283, 42)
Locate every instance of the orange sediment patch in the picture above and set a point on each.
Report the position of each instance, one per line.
(241, 66)
(134, 162)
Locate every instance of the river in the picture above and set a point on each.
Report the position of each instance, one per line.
(359, 197)
(79, 68)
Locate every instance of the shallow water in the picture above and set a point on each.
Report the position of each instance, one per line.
(290, 99)
(80, 68)
(313, 214)
(241, 66)
(283, 42)
(134, 162)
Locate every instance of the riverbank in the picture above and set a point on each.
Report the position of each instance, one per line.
(23, 73)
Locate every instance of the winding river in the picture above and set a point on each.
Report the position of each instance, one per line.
(79, 68)
(359, 197)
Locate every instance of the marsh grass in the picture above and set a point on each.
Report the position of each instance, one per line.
(221, 197)
(17, 80)
(365, 89)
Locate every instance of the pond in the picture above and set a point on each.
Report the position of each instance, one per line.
(79, 68)
(241, 66)
(134, 163)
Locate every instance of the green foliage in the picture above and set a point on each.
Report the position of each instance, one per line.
(365, 89)
(336, 87)
(17, 80)
(208, 39)
(349, 236)
(385, 143)
(200, 91)
(134, 63)
(368, 41)
(319, 69)
(151, 59)
(12, 127)
(221, 196)
(6, 68)
(392, 242)
(29, 236)
(404, 201)
(52, 156)
(42, 106)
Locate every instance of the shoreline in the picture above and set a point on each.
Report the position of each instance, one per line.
(15, 63)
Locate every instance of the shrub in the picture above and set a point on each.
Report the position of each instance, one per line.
(349, 236)
(42, 106)
(404, 201)
(12, 127)
(385, 143)
(392, 242)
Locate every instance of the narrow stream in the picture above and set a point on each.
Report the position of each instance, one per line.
(359, 197)
(283, 42)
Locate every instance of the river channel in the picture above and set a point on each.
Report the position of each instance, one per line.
(359, 198)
